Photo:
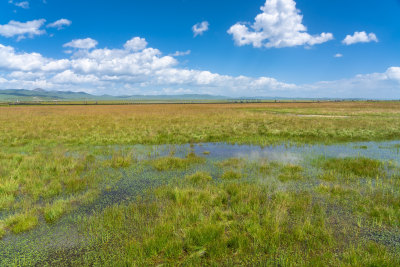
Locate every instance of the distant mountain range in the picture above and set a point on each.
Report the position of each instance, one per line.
(22, 95)
(43, 95)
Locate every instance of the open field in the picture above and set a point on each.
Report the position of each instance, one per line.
(236, 123)
(209, 184)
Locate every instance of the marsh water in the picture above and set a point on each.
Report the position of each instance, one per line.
(133, 181)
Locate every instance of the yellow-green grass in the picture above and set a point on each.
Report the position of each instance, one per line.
(22, 222)
(162, 124)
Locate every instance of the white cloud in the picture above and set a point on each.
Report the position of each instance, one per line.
(136, 44)
(148, 71)
(10, 60)
(22, 4)
(200, 28)
(86, 43)
(181, 53)
(393, 73)
(279, 25)
(22, 29)
(68, 77)
(360, 37)
(60, 24)
(29, 62)
(120, 70)
(338, 55)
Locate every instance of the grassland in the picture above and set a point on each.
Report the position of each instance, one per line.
(57, 163)
(177, 124)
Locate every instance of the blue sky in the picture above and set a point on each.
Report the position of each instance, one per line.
(298, 48)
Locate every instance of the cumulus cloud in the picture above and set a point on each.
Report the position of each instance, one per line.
(136, 44)
(87, 43)
(29, 62)
(60, 24)
(360, 37)
(147, 71)
(200, 28)
(279, 25)
(393, 73)
(22, 29)
(133, 67)
(338, 55)
(22, 4)
(69, 77)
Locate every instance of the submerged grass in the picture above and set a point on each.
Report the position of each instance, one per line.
(232, 223)
(236, 219)
(45, 183)
(237, 223)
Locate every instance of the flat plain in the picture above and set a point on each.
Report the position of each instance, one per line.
(287, 184)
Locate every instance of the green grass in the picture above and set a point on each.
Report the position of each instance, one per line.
(21, 222)
(266, 167)
(192, 210)
(291, 173)
(235, 163)
(2, 229)
(33, 182)
(54, 211)
(199, 178)
(226, 224)
(175, 163)
(231, 175)
(358, 167)
(237, 220)
(120, 160)
(198, 226)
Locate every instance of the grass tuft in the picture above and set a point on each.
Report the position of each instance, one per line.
(175, 163)
(21, 222)
(231, 175)
(2, 229)
(350, 167)
(120, 160)
(291, 173)
(199, 178)
(53, 212)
